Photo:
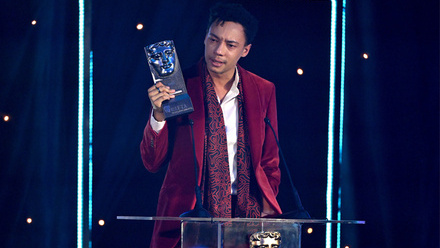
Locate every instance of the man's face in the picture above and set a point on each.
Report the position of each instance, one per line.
(163, 59)
(224, 46)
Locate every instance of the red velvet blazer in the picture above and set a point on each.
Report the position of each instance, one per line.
(173, 146)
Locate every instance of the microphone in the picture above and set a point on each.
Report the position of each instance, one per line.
(300, 212)
(198, 210)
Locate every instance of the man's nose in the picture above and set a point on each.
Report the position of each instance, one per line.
(220, 49)
(164, 58)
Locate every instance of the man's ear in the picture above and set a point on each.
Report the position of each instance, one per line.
(246, 50)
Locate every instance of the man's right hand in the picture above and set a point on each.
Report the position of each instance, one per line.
(157, 94)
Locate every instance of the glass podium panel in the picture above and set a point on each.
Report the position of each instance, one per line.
(240, 232)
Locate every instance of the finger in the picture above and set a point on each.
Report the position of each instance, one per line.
(157, 92)
(162, 87)
(163, 96)
(165, 89)
(159, 84)
(157, 100)
(153, 88)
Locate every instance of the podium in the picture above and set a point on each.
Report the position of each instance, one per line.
(240, 232)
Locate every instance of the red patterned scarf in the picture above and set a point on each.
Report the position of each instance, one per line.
(216, 181)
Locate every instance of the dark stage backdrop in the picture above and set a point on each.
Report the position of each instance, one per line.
(391, 151)
(38, 90)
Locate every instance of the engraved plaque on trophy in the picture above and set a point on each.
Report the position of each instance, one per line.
(165, 67)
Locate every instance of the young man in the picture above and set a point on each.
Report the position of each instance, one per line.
(235, 151)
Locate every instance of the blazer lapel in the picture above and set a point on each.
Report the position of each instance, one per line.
(254, 112)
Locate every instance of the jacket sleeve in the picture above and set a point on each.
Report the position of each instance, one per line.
(154, 147)
(270, 157)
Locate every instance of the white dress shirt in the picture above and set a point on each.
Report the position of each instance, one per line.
(229, 107)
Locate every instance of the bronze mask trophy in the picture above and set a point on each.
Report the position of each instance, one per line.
(265, 239)
(165, 67)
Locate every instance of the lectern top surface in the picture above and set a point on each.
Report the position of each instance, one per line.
(258, 220)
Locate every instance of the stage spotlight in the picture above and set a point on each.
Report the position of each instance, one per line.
(6, 118)
(29, 220)
(101, 222)
(34, 22)
(140, 26)
(365, 55)
(300, 71)
(309, 230)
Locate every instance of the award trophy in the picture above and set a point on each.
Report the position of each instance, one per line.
(265, 239)
(165, 67)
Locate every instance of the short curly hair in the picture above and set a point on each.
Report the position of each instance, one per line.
(234, 12)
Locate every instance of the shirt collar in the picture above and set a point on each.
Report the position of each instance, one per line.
(234, 88)
(233, 91)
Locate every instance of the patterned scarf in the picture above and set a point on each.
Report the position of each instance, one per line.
(216, 181)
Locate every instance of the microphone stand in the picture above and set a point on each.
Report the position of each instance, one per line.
(198, 210)
(300, 212)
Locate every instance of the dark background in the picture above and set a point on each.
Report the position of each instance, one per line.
(390, 169)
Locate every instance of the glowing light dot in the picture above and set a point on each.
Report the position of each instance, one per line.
(6, 118)
(101, 222)
(347, 246)
(29, 220)
(365, 55)
(34, 22)
(300, 71)
(309, 230)
(140, 26)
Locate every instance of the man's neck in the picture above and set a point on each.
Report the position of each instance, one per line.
(222, 83)
(223, 79)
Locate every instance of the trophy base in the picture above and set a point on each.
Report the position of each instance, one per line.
(180, 105)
